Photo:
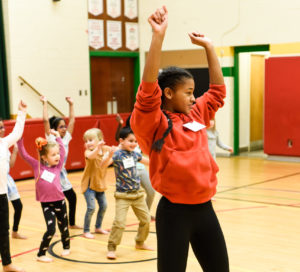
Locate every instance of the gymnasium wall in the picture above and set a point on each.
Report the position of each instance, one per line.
(47, 44)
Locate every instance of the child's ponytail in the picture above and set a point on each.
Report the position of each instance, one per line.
(158, 144)
(40, 143)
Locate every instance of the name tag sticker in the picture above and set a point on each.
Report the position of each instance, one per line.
(48, 176)
(194, 126)
(128, 163)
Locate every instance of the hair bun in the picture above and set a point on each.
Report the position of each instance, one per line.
(40, 142)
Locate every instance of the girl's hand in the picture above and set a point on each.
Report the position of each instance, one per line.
(230, 149)
(159, 20)
(119, 119)
(69, 100)
(43, 99)
(199, 39)
(22, 106)
(55, 133)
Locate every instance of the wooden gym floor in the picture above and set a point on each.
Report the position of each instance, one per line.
(258, 205)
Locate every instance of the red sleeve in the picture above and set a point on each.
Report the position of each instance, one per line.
(206, 106)
(147, 116)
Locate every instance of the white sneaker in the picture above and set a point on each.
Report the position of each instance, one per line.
(44, 259)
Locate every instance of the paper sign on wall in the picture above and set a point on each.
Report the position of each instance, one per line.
(96, 7)
(130, 9)
(113, 8)
(96, 33)
(114, 34)
(132, 36)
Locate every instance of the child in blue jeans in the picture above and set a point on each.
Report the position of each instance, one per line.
(93, 183)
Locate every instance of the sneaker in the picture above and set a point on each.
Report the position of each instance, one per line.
(44, 259)
(65, 252)
(111, 255)
(88, 235)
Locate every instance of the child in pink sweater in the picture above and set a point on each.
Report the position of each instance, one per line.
(48, 190)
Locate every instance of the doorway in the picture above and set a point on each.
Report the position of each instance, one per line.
(249, 77)
(114, 81)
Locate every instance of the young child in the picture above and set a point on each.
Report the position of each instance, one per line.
(48, 190)
(12, 190)
(5, 144)
(168, 123)
(214, 140)
(65, 133)
(93, 183)
(142, 172)
(128, 193)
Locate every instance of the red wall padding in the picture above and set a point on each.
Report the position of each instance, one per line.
(35, 128)
(282, 106)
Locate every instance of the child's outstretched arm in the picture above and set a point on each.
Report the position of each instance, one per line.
(44, 100)
(71, 115)
(17, 132)
(159, 22)
(23, 153)
(215, 71)
(107, 159)
(144, 160)
(92, 154)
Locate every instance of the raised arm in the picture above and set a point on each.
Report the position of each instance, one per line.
(44, 101)
(71, 115)
(120, 124)
(23, 153)
(215, 71)
(17, 132)
(159, 22)
(62, 151)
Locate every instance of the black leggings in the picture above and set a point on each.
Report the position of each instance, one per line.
(53, 210)
(177, 225)
(71, 197)
(4, 227)
(17, 204)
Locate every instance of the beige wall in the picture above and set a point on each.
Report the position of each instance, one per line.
(47, 45)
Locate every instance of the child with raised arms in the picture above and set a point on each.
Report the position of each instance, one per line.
(128, 193)
(5, 143)
(65, 132)
(169, 124)
(93, 183)
(48, 190)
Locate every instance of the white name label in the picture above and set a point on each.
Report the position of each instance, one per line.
(194, 126)
(128, 163)
(48, 176)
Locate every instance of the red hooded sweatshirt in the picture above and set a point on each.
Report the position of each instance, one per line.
(184, 170)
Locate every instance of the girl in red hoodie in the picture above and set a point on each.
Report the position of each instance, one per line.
(169, 124)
